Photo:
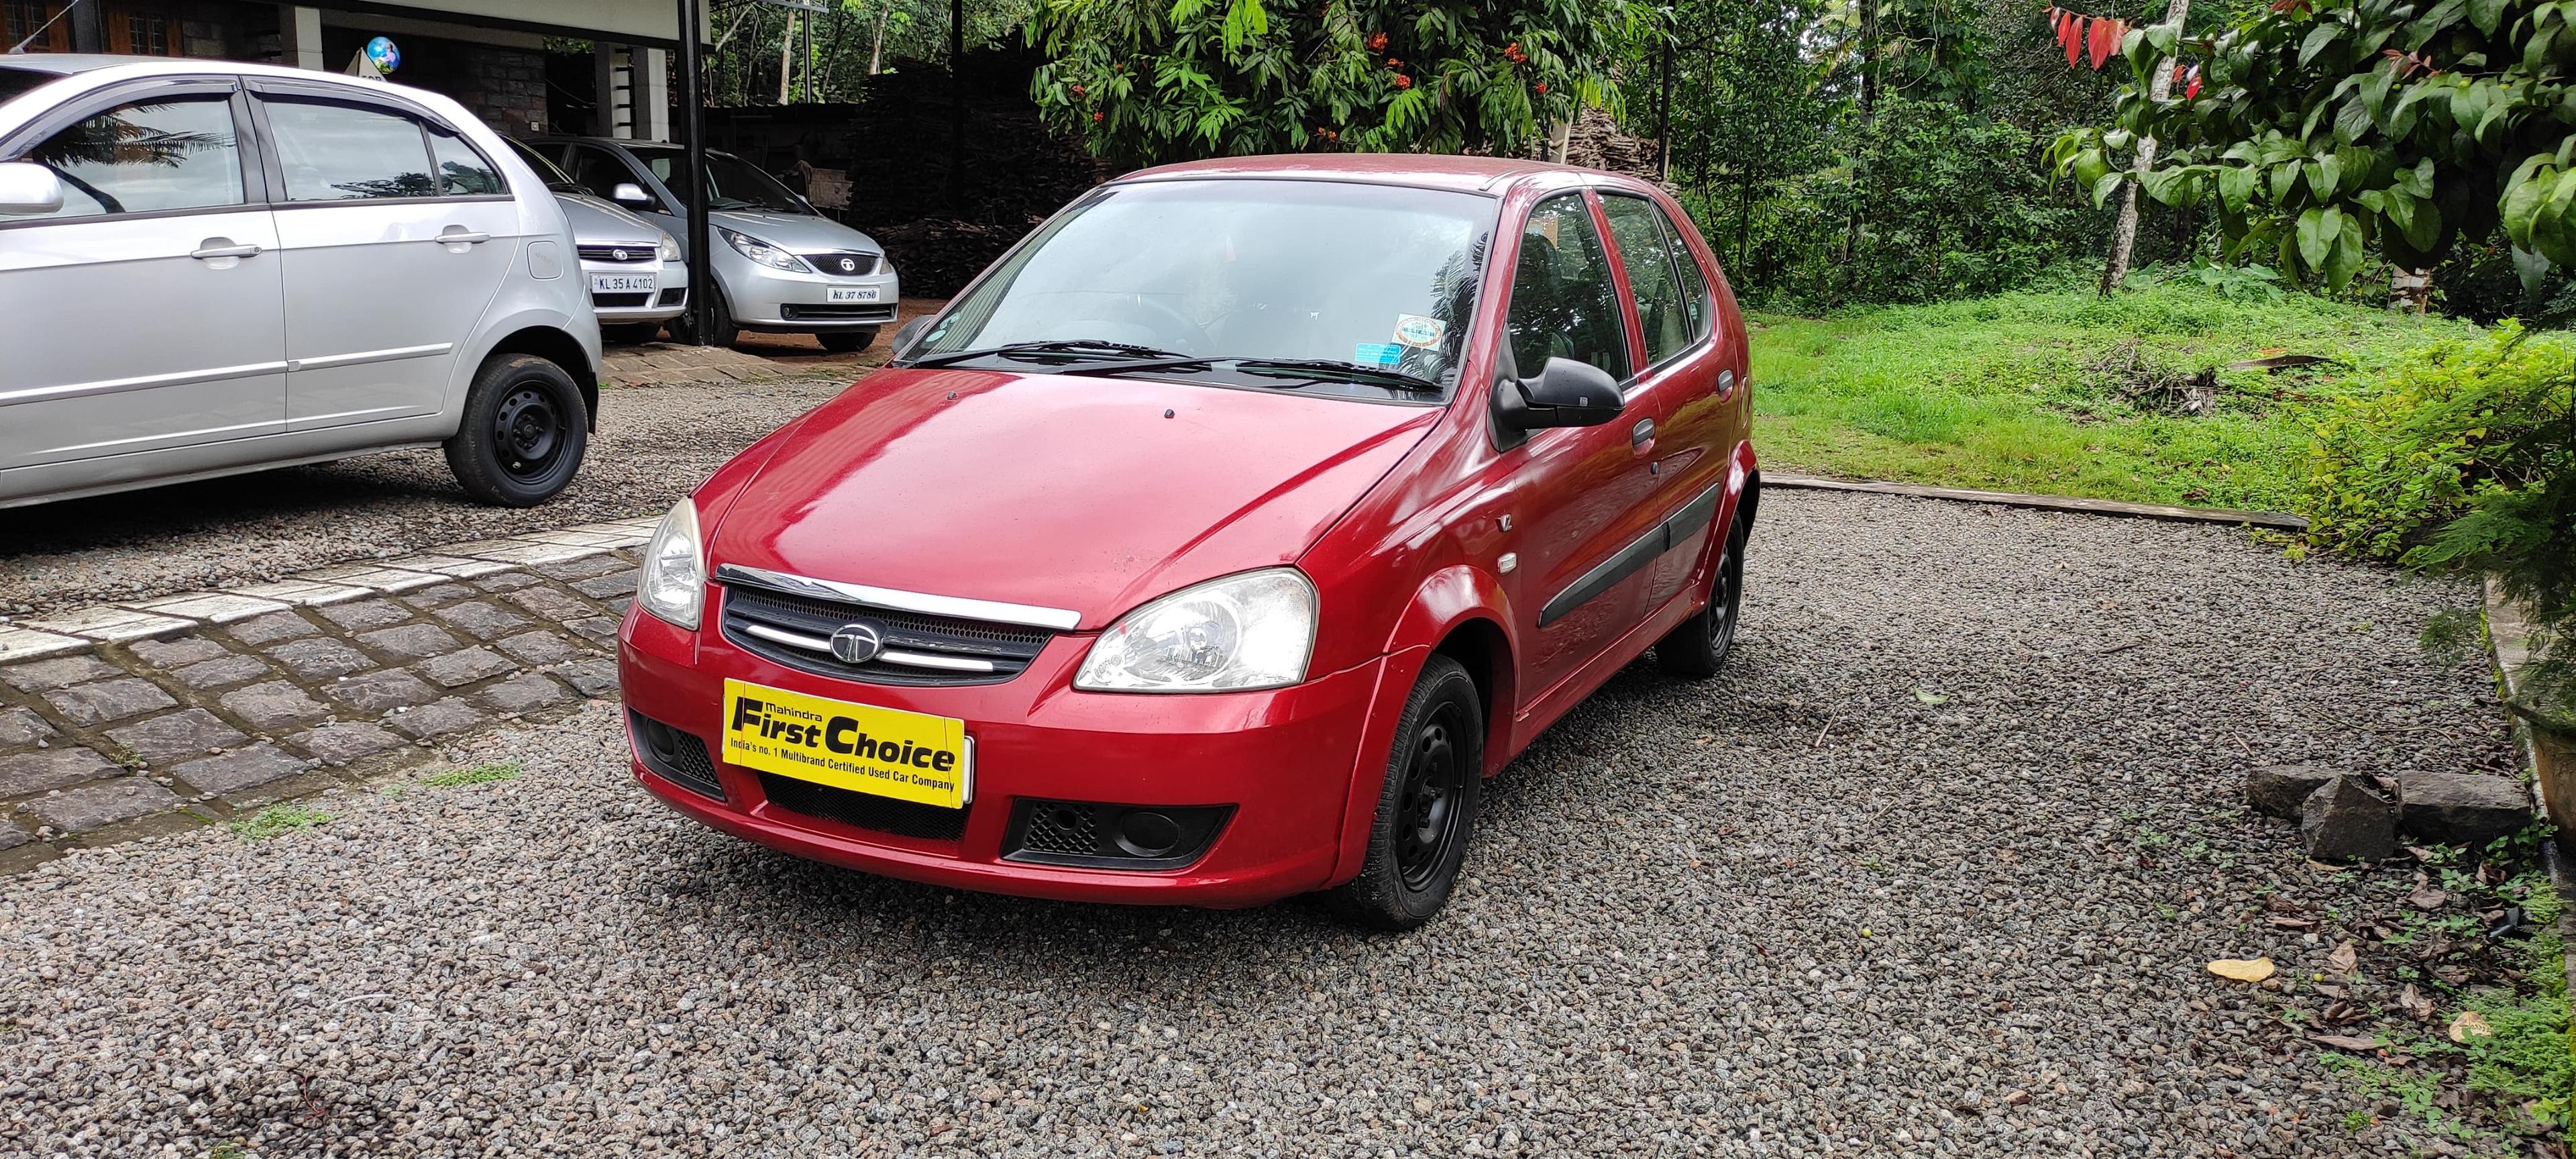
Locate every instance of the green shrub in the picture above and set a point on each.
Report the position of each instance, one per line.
(2465, 462)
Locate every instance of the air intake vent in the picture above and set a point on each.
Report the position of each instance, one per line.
(864, 810)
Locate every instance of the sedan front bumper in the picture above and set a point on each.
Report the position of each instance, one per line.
(768, 298)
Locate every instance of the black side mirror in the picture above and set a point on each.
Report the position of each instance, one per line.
(1565, 394)
(906, 334)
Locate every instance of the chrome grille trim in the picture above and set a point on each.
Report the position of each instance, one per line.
(907, 659)
(791, 639)
(1058, 619)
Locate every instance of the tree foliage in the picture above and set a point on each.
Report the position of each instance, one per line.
(1149, 81)
(2330, 128)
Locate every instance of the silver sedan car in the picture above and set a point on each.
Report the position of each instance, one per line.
(637, 278)
(211, 267)
(779, 265)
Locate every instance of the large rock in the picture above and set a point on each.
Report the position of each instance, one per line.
(2280, 789)
(2348, 820)
(2456, 807)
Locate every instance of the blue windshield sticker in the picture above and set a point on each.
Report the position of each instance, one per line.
(1377, 354)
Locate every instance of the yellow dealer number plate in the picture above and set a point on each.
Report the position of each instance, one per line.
(909, 756)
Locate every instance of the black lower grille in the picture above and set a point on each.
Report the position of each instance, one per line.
(1062, 827)
(673, 296)
(675, 756)
(1007, 648)
(618, 301)
(851, 264)
(864, 810)
(881, 312)
(1098, 835)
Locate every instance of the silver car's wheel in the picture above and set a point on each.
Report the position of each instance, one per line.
(524, 433)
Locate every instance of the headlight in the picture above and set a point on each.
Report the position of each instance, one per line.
(761, 251)
(670, 248)
(674, 584)
(1254, 630)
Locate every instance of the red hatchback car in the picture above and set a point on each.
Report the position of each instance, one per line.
(1217, 542)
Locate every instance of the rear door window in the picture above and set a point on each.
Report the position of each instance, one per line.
(149, 156)
(462, 171)
(333, 151)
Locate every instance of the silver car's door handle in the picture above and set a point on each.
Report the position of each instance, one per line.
(222, 247)
(456, 233)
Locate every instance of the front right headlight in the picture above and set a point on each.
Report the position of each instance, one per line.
(1241, 632)
(673, 586)
(670, 248)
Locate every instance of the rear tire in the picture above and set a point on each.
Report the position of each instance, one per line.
(524, 433)
(847, 341)
(1698, 647)
(1426, 808)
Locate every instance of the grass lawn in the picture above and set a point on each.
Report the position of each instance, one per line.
(2065, 393)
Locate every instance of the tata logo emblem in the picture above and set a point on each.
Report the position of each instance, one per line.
(617, 255)
(857, 643)
(848, 266)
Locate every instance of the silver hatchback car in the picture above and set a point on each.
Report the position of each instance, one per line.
(209, 267)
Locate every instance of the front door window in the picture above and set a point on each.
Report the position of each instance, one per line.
(1564, 304)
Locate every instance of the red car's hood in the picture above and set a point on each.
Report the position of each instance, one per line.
(1090, 494)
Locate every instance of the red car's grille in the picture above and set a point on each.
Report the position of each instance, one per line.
(911, 648)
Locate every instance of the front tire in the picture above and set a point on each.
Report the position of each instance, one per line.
(1698, 647)
(847, 341)
(524, 433)
(720, 328)
(1426, 807)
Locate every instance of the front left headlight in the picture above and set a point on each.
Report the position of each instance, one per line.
(1248, 631)
(762, 252)
(670, 248)
(673, 586)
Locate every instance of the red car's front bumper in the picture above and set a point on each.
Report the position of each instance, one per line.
(1283, 761)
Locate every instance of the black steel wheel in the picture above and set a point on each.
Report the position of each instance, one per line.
(1698, 647)
(524, 432)
(1426, 809)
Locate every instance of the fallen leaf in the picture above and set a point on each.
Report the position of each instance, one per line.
(2331, 990)
(2281, 905)
(2345, 959)
(2282, 923)
(2347, 1042)
(2427, 897)
(1930, 697)
(2416, 1003)
(2470, 1024)
(2242, 969)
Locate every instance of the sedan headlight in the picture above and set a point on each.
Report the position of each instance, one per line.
(762, 252)
(670, 248)
(673, 586)
(1254, 630)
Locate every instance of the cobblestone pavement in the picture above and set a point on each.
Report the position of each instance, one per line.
(123, 721)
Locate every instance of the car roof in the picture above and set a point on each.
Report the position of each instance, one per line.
(1425, 170)
(616, 142)
(79, 64)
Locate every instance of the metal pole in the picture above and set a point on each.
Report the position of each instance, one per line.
(1664, 108)
(693, 184)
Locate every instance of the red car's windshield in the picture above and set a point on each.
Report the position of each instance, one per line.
(1312, 272)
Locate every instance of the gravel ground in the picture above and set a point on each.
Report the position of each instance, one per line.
(654, 443)
(1800, 909)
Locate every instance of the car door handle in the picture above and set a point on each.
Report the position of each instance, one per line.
(1641, 434)
(457, 234)
(221, 247)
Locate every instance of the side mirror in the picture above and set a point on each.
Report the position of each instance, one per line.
(906, 334)
(629, 193)
(27, 188)
(1565, 394)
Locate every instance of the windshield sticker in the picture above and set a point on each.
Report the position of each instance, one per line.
(1417, 330)
(1377, 354)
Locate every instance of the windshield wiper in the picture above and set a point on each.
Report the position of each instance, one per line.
(1074, 347)
(1331, 369)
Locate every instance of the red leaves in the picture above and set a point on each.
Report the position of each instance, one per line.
(1377, 42)
(1403, 82)
(1512, 52)
(2408, 64)
(2189, 79)
(1542, 88)
(2098, 36)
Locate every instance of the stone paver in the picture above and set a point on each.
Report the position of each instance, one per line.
(483, 619)
(525, 692)
(108, 700)
(187, 732)
(429, 720)
(600, 628)
(35, 772)
(458, 669)
(29, 644)
(217, 673)
(438, 595)
(20, 728)
(592, 677)
(551, 604)
(110, 624)
(304, 592)
(270, 629)
(177, 653)
(614, 585)
(411, 641)
(12, 836)
(104, 804)
(239, 769)
(504, 580)
(366, 614)
(213, 607)
(274, 705)
(583, 568)
(377, 692)
(538, 649)
(55, 673)
(320, 659)
(340, 742)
